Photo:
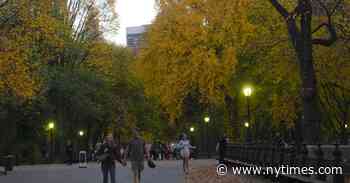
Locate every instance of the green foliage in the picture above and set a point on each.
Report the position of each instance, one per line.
(56, 66)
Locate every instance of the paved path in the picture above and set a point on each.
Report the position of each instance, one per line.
(166, 172)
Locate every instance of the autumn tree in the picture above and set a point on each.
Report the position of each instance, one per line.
(299, 22)
(43, 45)
(333, 68)
(192, 49)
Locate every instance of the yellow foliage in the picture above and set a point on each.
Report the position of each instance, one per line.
(278, 63)
(31, 39)
(193, 45)
(15, 74)
(284, 109)
(333, 65)
(277, 69)
(100, 58)
(109, 60)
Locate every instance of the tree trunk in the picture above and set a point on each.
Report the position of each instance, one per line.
(231, 107)
(303, 42)
(311, 111)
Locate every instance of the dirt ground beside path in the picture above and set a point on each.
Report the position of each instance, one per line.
(208, 175)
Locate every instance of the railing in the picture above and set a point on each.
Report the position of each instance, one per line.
(265, 155)
(7, 162)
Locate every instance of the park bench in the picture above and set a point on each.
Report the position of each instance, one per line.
(7, 162)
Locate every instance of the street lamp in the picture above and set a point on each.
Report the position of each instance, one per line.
(51, 127)
(247, 91)
(246, 124)
(81, 133)
(206, 121)
(345, 134)
(192, 129)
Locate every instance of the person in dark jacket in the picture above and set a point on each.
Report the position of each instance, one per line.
(69, 152)
(136, 152)
(156, 150)
(108, 153)
(221, 148)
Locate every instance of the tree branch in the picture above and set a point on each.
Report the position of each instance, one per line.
(328, 41)
(293, 15)
(290, 18)
(282, 10)
(294, 32)
(3, 3)
(329, 26)
(327, 10)
(319, 27)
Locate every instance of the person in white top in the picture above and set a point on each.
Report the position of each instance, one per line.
(185, 151)
(148, 147)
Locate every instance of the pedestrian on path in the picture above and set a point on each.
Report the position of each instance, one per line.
(69, 152)
(107, 154)
(185, 152)
(221, 148)
(136, 152)
(148, 148)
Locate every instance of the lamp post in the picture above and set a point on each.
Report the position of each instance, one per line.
(81, 134)
(51, 127)
(345, 133)
(206, 121)
(247, 91)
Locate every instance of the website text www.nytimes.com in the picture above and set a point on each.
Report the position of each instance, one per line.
(277, 171)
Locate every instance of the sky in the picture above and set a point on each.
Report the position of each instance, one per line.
(132, 13)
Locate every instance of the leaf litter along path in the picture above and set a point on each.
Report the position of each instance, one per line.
(205, 172)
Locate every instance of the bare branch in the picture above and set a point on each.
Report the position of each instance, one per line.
(290, 18)
(329, 26)
(295, 12)
(3, 3)
(282, 10)
(74, 8)
(82, 23)
(323, 6)
(329, 41)
(329, 11)
(319, 27)
(339, 2)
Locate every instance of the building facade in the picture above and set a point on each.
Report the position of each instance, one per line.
(134, 37)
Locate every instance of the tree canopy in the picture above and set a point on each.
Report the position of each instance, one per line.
(193, 45)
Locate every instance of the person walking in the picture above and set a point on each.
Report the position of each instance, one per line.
(185, 152)
(69, 152)
(221, 148)
(167, 151)
(148, 148)
(136, 152)
(156, 151)
(107, 154)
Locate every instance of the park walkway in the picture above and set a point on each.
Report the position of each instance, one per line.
(166, 172)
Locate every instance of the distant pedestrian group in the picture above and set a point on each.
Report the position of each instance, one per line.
(136, 151)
